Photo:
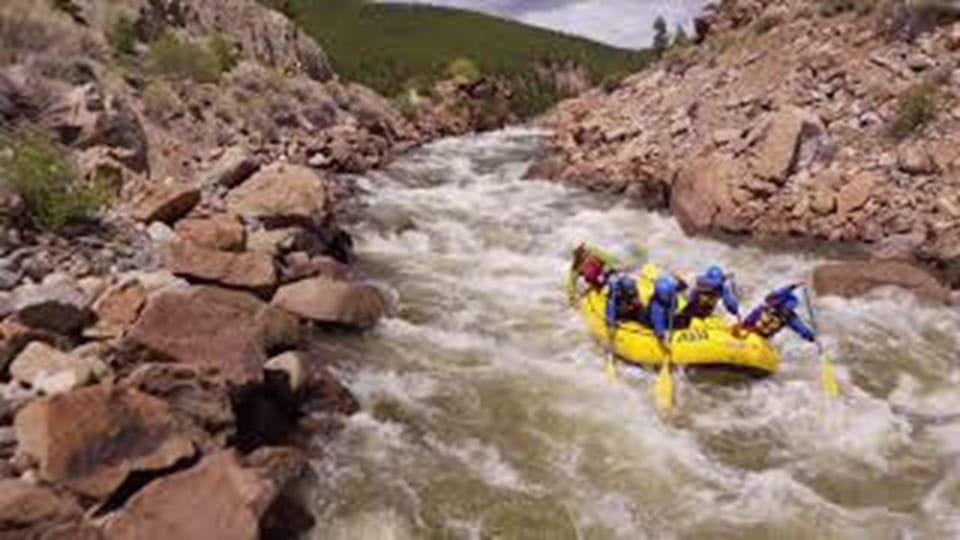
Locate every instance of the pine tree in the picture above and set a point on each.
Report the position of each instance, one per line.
(661, 38)
(680, 38)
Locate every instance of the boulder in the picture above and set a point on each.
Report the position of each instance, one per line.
(29, 511)
(14, 337)
(275, 242)
(122, 431)
(823, 202)
(166, 204)
(53, 372)
(206, 327)
(217, 498)
(250, 270)
(853, 279)
(328, 301)
(120, 305)
(701, 195)
(856, 193)
(292, 365)
(300, 265)
(220, 232)
(780, 147)
(234, 166)
(916, 161)
(281, 191)
(61, 308)
(198, 395)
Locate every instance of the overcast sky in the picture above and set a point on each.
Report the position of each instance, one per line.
(626, 23)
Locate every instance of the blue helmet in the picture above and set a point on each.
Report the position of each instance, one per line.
(664, 288)
(790, 301)
(713, 277)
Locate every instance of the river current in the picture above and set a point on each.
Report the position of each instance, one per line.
(486, 413)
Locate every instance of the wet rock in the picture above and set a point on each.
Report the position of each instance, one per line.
(915, 160)
(166, 204)
(59, 308)
(287, 468)
(234, 166)
(300, 265)
(217, 498)
(853, 279)
(291, 365)
(53, 372)
(249, 270)
(32, 512)
(206, 327)
(201, 396)
(778, 152)
(122, 431)
(324, 300)
(281, 191)
(220, 232)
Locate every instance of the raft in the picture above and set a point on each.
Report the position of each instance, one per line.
(707, 343)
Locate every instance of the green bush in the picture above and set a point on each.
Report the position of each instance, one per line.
(171, 57)
(45, 178)
(225, 51)
(463, 68)
(122, 36)
(160, 101)
(915, 108)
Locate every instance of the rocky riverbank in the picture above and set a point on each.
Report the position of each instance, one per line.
(157, 374)
(820, 121)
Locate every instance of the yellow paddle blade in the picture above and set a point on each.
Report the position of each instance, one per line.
(827, 378)
(610, 369)
(663, 388)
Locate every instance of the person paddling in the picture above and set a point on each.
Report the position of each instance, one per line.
(660, 312)
(777, 311)
(623, 300)
(707, 291)
(591, 264)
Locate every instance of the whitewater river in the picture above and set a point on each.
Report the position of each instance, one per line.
(486, 413)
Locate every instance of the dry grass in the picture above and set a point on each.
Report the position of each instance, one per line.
(32, 28)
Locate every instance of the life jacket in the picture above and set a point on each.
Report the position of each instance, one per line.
(645, 279)
(594, 271)
(771, 321)
(703, 301)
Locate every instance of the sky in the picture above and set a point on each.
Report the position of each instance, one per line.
(625, 23)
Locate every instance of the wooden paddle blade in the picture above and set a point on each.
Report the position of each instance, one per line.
(663, 388)
(828, 379)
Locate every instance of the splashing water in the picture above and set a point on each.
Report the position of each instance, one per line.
(486, 413)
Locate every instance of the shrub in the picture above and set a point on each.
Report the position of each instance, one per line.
(122, 36)
(45, 178)
(611, 83)
(160, 101)
(915, 108)
(463, 68)
(225, 51)
(171, 57)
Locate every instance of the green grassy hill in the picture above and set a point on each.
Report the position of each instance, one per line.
(392, 47)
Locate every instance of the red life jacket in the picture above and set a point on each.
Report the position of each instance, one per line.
(594, 271)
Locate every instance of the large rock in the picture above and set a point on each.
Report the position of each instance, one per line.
(204, 326)
(233, 167)
(62, 307)
(219, 232)
(780, 148)
(281, 191)
(856, 193)
(166, 203)
(251, 270)
(217, 498)
(852, 279)
(200, 396)
(53, 372)
(32, 512)
(14, 337)
(324, 300)
(701, 192)
(119, 306)
(90, 439)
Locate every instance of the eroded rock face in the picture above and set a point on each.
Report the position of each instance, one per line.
(203, 326)
(122, 431)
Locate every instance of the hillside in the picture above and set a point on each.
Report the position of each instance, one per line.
(396, 47)
(847, 136)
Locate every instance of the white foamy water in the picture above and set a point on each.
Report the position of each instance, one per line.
(486, 413)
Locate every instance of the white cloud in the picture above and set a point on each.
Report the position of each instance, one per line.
(626, 23)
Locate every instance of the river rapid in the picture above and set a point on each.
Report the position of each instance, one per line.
(486, 413)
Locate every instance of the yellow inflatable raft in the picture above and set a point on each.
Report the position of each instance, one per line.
(706, 343)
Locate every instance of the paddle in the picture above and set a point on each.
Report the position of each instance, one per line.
(663, 388)
(610, 366)
(827, 378)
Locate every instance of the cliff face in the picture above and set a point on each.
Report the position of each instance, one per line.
(816, 120)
